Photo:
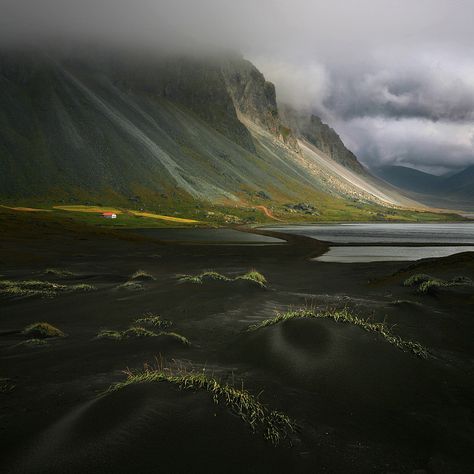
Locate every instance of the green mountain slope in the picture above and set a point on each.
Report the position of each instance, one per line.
(119, 128)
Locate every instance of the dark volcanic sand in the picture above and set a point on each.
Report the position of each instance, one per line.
(361, 404)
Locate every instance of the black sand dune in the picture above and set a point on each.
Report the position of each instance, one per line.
(360, 404)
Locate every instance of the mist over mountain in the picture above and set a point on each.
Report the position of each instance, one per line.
(396, 85)
(115, 127)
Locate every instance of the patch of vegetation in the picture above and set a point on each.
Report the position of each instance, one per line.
(142, 275)
(42, 330)
(109, 334)
(33, 342)
(345, 316)
(154, 320)
(135, 332)
(431, 286)
(416, 279)
(203, 277)
(177, 337)
(252, 276)
(44, 289)
(131, 286)
(426, 284)
(58, 273)
(274, 425)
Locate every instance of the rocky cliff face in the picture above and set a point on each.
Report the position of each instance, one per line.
(314, 130)
(255, 99)
(197, 84)
(119, 127)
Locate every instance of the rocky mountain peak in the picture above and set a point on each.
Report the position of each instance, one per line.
(255, 98)
(311, 128)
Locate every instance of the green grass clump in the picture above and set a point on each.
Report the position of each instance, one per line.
(252, 276)
(109, 334)
(154, 320)
(345, 316)
(431, 286)
(142, 275)
(137, 331)
(204, 276)
(426, 284)
(177, 337)
(274, 425)
(130, 333)
(58, 272)
(45, 289)
(131, 286)
(42, 331)
(416, 279)
(33, 342)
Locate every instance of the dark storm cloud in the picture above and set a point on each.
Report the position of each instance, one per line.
(394, 77)
(414, 91)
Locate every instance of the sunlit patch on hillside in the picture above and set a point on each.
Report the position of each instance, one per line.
(100, 209)
(26, 209)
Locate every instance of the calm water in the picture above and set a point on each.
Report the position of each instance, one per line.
(385, 254)
(459, 233)
(453, 235)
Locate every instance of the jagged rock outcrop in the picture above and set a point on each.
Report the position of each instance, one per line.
(314, 130)
(255, 98)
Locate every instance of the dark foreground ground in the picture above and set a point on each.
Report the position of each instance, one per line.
(361, 405)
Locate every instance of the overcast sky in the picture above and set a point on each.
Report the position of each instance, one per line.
(394, 77)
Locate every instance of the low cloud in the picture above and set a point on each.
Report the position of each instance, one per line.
(431, 146)
(414, 109)
(394, 77)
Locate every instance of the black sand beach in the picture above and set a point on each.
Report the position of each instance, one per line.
(358, 403)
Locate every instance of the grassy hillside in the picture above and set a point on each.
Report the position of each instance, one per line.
(166, 136)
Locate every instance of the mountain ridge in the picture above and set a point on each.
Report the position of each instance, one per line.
(148, 130)
(452, 188)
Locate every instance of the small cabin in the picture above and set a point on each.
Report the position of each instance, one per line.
(109, 215)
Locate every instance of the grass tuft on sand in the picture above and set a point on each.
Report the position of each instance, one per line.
(109, 334)
(416, 279)
(131, 286)
(142, 275)
(203, 277)
(274, 425)
(44, 289)
(58, 273)
(42, 330)
(138, 332)
(426, 284)
(345, 316)
(176, 337)
(153, 320)
(33, 342)
(252, 276)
